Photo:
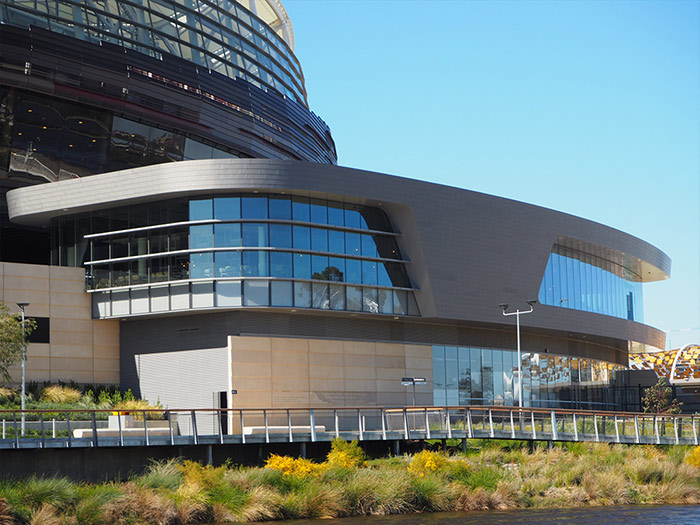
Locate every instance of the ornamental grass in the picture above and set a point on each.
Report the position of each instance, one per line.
(493, 475)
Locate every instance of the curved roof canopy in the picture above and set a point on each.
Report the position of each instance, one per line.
(273, 13)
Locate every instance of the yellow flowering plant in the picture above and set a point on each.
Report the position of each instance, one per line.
(427, 462)
(298, 467)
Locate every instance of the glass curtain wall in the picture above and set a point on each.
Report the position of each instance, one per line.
(488, 376)
(582, 281)
(287, 251)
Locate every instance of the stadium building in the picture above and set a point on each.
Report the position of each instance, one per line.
(173, 211)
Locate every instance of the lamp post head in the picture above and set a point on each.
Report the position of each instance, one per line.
(22, 306)
(532, 303)
(503, 306)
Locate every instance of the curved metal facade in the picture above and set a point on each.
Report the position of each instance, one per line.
(462, 258)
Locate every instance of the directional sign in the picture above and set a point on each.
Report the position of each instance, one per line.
(407, 380)
(420, 380)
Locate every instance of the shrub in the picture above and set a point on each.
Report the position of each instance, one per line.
(60, 394)
(345, 455)
(693, 458)
(297, 467)
(427, 462)
(137, 406)
(7, 394)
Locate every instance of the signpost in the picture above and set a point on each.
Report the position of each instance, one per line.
(413, 381)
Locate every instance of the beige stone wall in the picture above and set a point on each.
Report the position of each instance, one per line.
(81, 349)
(278, 372)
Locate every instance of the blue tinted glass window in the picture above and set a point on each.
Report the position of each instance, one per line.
(354, 298)
(370, 300)
(201, 236)
(281, 264)
(369, 272)
(280, 208)
(320, 298)
(400, 302)
(227, 234)
(336, 214)
(319, 215)
(353, 269)
(353, 244)
(319, 240)
(227, 208)
(336, 241)
(280, 235)
(200, 210)
(302, 238)
(302, 266)
(302, 295)
(352, 216)
(201, 265)
(254, 207)
(336, 268)
(300, 209)
(319, 268)
(254, 263)
(228, 264)
(382, 275)
(369, 249)
(254, 234)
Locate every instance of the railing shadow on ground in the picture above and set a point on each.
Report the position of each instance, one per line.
(108, 428)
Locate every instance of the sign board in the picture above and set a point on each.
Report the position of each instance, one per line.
(419, 380)
(234, 391)
(407, 380)
(406, 383)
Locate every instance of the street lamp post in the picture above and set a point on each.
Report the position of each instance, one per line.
(22, 306)
(517, 315)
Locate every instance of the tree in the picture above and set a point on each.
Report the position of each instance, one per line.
(11, 342)
(659, 399)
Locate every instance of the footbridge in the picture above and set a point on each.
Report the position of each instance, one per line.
(68, 429)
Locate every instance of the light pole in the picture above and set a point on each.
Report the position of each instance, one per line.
(22, 306)
(517, 314)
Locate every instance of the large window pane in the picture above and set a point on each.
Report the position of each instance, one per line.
(300, 209)
(302, 238)
(302, 295)
(336, 214)
(336, 269)
(352, 216)
(254, 234)
(354, 298)
(319, 268)
(370, 300)
(227, 208)
(353, 271)
(201, 236)
(201, 265)
(337, 297)
(228, 264)
(369, 249)
(353, 244)
(302, 266)
(319, 240)
(280, 235)
(319, 215)
(254, 263)
(281, 264)
(320, 299)
(451, 376)
(280, 207)
(336, 241)
(200, 209)
(227, 235)
(369, 272)
(281, 293)
(254, 207)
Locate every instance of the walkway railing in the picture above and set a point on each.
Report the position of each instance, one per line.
(106, 428)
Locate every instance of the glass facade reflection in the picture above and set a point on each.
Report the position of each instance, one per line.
(47, 140)
(582, 281)
(327, 255)
(488, 376)
(221, 36)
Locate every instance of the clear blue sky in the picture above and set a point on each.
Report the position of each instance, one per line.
(590, 107)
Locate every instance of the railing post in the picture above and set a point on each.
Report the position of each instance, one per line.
(289, 426)
(512, 425)
(617, 430)
(3, 428)
(656, 430)
(170, 428)
(41, 425)
(220, 413)
(534, 429)
(335, 418)
(95, 442)
(14, 417)
(575, 427)
(195, 438)
(490, 424)
(695, 432)
(383, 416)
(359, 424)
(405, 424)
(312, 420)
(267, 429)
(470, 427)
(70, 434)
(240, 412)
(53, 428)
(555, 436)
(427, 426)
(595, 427)
(145, 428)
(121, 434)
(675, 429)
(449, 423)
(636, 429)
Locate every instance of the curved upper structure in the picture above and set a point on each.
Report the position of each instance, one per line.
(680, 366)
